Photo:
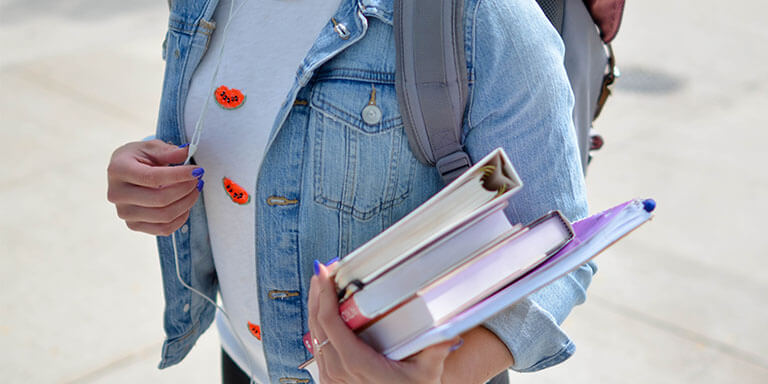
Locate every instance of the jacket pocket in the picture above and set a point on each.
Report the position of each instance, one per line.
(361, 161)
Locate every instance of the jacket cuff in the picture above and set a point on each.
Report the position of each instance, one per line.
(530, 329)
(532, 336)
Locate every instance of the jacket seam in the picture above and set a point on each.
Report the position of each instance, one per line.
(561, 355)
(473, 50)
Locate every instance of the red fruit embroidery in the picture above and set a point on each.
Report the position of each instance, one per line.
(236, 192)
(255, 330)
(229, 98)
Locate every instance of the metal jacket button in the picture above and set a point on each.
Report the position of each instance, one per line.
(371, 114)
(340, 29)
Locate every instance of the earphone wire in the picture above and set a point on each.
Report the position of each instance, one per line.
(221, 309)
(199, 123)
(192, 149)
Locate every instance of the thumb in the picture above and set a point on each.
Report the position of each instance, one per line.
(160, 153)
(435, 355)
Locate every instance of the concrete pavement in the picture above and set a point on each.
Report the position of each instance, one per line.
(682, 300)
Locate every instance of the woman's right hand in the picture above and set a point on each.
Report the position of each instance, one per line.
(149, 194)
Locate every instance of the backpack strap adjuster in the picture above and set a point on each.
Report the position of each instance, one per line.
(452, 165)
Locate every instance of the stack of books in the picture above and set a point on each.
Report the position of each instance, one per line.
(456, 261)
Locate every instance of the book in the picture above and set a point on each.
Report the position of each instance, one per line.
(591, 236)
(406, 278)
(481, 188)
(485, 273)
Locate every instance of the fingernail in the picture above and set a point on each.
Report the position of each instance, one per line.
(457, 345)
(317, 267)
(197, 172)
(200, 184)
(184, 145)
(331, 261)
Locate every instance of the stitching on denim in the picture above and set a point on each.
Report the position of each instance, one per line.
(473, 50)
(300, 102)
(164, 354)
(387, 73)
(319, 194)
(560, 356)
(326, 108)
(293, 380)
(469, 30)
(356, 74)
(180, 24)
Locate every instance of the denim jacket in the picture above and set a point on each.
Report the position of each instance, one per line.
(330, 180)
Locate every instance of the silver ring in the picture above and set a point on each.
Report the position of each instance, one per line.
(319, 345)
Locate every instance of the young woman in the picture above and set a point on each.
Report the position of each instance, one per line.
(272, 94)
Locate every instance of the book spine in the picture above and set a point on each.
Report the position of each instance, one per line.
(352, 315)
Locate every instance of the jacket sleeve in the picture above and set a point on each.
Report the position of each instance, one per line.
(520, 99)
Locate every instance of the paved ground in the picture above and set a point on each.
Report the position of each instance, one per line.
(684, 300)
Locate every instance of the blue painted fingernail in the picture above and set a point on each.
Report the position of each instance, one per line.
(649, 205)
(197, 172)
(457, 345)
(184, 145)
(317, 267)
(200, 184)
(331, 261)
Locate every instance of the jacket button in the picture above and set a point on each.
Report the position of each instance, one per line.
(371, 114)
(186, 307)
(340, 29)
(184, 228)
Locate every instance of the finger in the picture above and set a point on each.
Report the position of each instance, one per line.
(430, 362)
(352, 351)
(161, 153)
(436, 354)
(129, 194)
(158, 229)
(317, 335)
(315, 331)
(158, 215)
(330, 365)
(151, 176)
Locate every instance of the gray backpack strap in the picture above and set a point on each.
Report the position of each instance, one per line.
(555, 12)
(431, 81)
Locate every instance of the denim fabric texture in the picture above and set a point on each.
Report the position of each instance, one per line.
(342, 180)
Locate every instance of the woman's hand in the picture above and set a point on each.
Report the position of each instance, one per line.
(347, 359)
(151, 196)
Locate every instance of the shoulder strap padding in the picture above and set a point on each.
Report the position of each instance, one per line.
(431, 80)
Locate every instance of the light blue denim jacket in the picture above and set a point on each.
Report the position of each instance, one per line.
(329, 181)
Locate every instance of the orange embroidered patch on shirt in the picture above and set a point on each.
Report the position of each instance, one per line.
(236, 192)
(229, 98)
(255, 330)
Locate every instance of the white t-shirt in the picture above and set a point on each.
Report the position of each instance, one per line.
(265, 44)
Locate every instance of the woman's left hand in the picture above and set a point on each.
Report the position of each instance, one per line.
(345, 358)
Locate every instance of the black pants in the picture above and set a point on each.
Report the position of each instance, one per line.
(230, 372)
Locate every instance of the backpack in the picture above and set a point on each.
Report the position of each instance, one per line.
(431, 74)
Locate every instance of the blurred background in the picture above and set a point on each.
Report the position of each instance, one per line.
(685, 299)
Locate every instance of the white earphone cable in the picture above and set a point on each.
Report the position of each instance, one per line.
(192, 149)
(199, 123)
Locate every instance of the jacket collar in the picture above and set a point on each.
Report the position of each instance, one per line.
(381, 9)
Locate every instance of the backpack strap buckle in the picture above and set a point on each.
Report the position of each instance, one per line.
(452, 165)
